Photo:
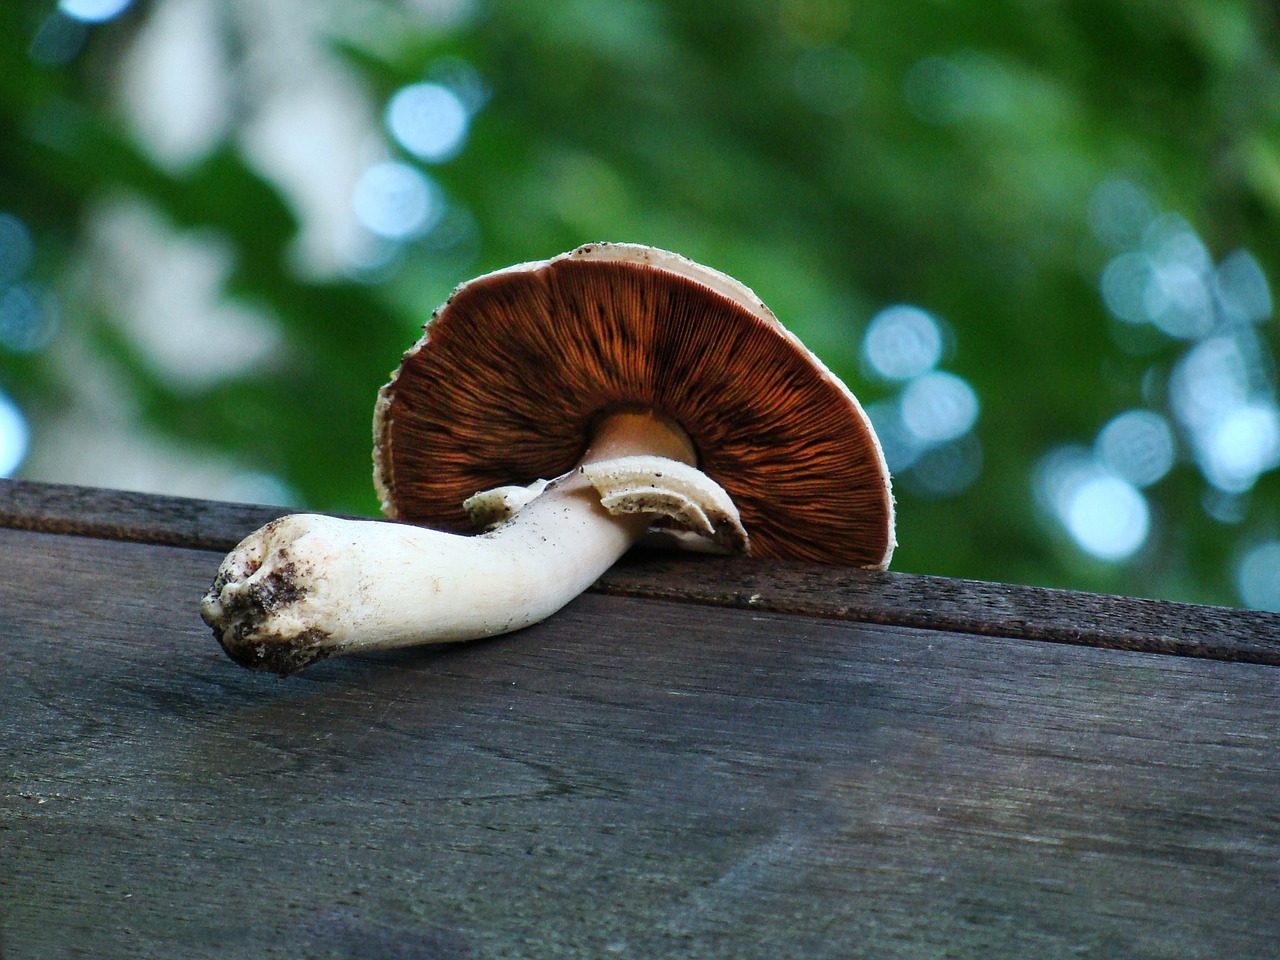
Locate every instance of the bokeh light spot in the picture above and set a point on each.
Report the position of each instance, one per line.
(28, 318)
(428, 120)
(1059, 472)
(1244, 295)
(1107, 517)
(59, 40)
(396, 201)
(938, 407)
(940, 90)
(15, 436)
(902, 342)
(1209, 381)
(1169, 281)
(1258, 577)
(1124, 286)
(1137, 446)
(901, 447)
(1169, 238)
(1226, 508)
(1176, 299)
(1240, 446)
(947, 469)
(1119, 212)
(16, 248)
(93, 11)
(462, 80)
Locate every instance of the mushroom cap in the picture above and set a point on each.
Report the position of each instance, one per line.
(514, 369)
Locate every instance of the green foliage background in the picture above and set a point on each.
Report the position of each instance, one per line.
(694, 126)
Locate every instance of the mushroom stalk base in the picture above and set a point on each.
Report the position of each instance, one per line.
(307, 586)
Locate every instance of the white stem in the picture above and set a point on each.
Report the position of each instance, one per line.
(307, 586)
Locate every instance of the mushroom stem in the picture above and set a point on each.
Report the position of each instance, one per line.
(306, 586)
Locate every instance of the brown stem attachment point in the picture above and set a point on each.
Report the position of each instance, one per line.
(631, 432)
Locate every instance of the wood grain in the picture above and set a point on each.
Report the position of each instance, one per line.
(634, 778)
(126, 515)
(942, 603)
(838, 593)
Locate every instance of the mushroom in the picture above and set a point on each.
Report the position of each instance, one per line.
(610, 392)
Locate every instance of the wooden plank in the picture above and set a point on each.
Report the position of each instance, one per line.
(807, 589)
(633, 778)
(942, 603)
(126, 515)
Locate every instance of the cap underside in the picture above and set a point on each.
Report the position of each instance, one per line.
(513, 370)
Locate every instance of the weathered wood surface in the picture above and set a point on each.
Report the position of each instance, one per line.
(635, 778)
(889, 598)
(124, 515)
